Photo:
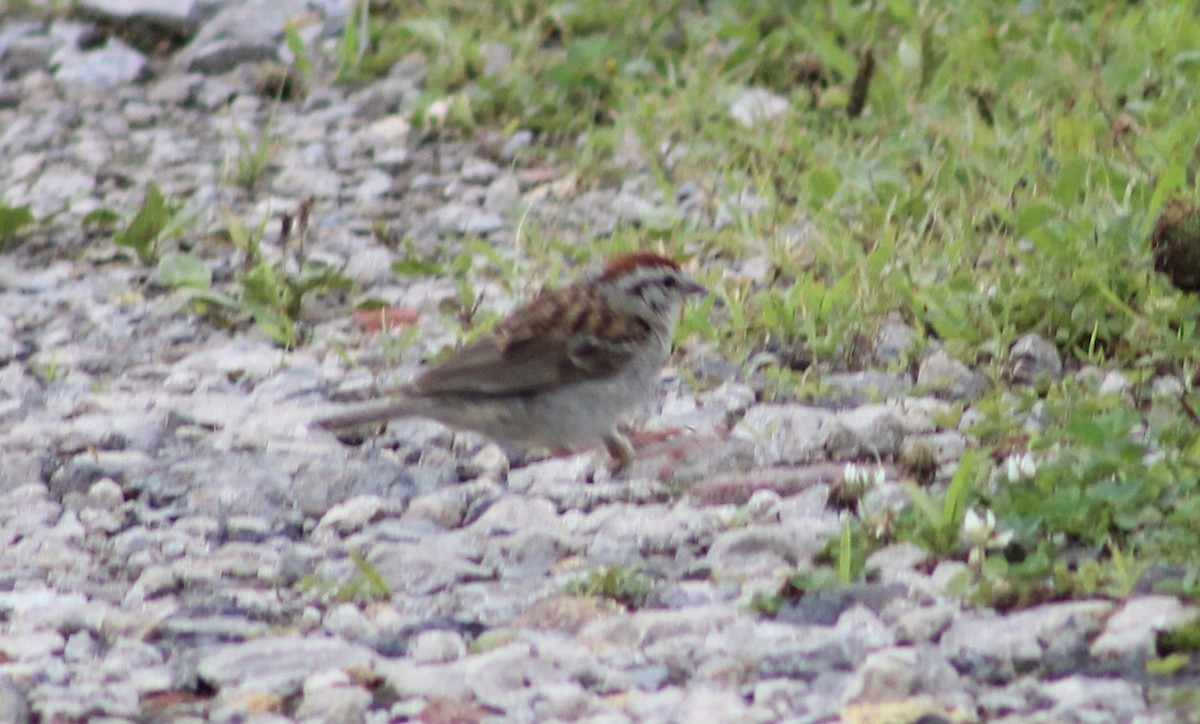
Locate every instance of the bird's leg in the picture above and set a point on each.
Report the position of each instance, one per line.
(619, 447)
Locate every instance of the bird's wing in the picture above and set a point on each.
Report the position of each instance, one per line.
(553, 341)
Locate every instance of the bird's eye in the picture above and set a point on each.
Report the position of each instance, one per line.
(670, 282)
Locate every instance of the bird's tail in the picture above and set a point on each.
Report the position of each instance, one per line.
(367, 413)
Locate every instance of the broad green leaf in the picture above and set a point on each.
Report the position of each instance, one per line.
(100, 219)
(1028, 217)
(209, 296)
(846, 556)
(298, 49)
(417, 268)
(1172, 179)
(143, 231)
(177, 269)
(1167, 665)
(955, 506)
(276, 324)
(13, 220)
(1087, 431)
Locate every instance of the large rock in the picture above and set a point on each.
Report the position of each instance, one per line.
(240, 33)
(170, 18)
(786, 434)
(112, 64)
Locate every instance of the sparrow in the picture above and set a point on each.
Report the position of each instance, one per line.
(559, 373)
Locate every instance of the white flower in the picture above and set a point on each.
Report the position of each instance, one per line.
(1019, 467)
(980, 531)
(975, 531)
(863, 476)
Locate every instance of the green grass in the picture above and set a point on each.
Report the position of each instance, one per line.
(998, 150)
(627, 586)
(12, 221)
(368, 586)
(254, 158)
(157, 220)
(269, 292)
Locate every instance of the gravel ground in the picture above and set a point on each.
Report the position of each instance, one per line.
(178, 545)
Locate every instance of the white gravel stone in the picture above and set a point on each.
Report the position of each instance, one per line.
(757, 106)
(106, 494)
(279, 664)
(31, 645)
(502, 194)
(1082, 698)
(347, 620)
(868, 432)
(437, 647)
(950, 379)
(1034, 360)
(786, 434)
(105, 68)
(1131, 629)
(372, 265)
(764, 505)
(998, 648)
(1114, 383)
(334, 704)
(350, 516)
(445, 507)
(478, 171)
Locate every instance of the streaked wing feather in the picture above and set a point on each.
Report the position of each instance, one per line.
(487, 366)
(526, 353)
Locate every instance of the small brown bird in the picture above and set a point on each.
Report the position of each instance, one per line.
(561, 371)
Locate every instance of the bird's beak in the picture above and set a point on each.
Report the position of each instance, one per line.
(691, 287)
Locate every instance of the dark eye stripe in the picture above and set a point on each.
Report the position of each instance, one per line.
(640, 288)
